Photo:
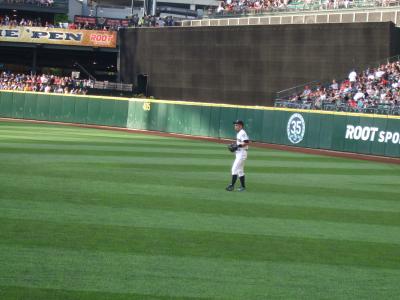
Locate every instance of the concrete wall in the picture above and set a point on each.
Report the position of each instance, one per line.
(75, 7)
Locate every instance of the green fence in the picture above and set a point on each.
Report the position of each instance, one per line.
(350, 132)
(64, 108)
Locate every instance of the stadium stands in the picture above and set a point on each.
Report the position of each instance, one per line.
(235, 8)
(153, 21)
(36, 6)
(43, 83)
(375, 90)
(40, 3)
(6, 20)
(146, 21)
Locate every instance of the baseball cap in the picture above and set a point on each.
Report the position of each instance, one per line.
(240, 122)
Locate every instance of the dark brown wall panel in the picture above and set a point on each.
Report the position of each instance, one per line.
(249, 64)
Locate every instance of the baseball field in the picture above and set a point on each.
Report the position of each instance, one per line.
(95, 214)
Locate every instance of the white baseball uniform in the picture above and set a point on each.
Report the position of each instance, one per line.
(241, 153)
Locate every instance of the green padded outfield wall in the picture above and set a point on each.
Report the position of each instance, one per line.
(349, 132)
(64, 108)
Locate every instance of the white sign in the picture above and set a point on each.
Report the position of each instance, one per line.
(75, 74)
(296, 128)
(367, 133)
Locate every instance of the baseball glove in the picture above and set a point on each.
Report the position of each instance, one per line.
(233, 147)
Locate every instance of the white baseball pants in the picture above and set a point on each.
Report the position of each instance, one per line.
(238, 164)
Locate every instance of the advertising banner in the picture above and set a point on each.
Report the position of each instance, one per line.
(85, 19)
(101, 21)
(377, 135)
(59, 36)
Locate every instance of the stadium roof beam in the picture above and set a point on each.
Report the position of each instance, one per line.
(124, 3)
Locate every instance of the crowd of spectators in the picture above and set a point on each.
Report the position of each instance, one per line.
(13, 22)
(136, 21)
(243, 6)
(88, 26)
(44, 83)
(152, 21)
(37, 22)
(372, 88)
(41, 3)
(265, 6)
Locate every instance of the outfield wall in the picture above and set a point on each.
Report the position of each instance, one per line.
(61, 108)
(349, 132)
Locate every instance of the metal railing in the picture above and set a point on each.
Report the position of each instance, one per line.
(380, 109)
(350, 15)
(35, 4)
(112, 89)
(285, 97)
(292, 91)
(301, 6)
(115, 86)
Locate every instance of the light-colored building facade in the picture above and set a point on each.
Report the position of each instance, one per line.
(125, 8)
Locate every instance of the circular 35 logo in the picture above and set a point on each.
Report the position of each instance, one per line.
(296, 128)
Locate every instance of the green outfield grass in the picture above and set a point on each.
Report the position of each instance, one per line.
(92, 214)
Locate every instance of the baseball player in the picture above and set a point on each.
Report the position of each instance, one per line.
(240, 148)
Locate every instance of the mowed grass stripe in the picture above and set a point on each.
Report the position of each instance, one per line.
(271, 158)
(137, 176)
(149, 154)
(314, 185)
(26, 293)
(190, 276)
(158, 218)
(129, 160)
(265, 158)
(123, 147)
(154, 151)
(125, 159)
(185, 203)
(219, 161)
(146, 241)
(193, 171)
(93, 194)
(136, 141)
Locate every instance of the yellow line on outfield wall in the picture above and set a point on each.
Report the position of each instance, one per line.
(191, 103)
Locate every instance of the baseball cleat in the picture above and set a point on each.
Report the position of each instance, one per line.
(241, 189)
(230, 188)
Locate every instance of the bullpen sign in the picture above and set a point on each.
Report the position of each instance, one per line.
(59, 36)
(296, 128)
